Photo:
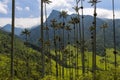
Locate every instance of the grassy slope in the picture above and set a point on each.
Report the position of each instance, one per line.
(101, 73)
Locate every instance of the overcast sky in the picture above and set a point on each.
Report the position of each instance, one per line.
(28, 11)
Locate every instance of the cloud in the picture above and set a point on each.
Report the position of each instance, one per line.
(3, 8)
(59, 5)
(68, 4)
(27, 8)
(19, 8)
(21, 22)
(102, 13)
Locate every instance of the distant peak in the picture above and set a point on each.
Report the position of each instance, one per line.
(54, 11)
(8, 25)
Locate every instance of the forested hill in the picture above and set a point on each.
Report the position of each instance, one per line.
(26, 60)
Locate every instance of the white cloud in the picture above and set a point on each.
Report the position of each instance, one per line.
(3, 8)
(19, 8)
(59, 5)
(21, 22)
(68, 4)
(4, 21)
(27, 8)
(102, 13)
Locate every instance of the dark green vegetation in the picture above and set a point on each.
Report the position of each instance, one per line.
(27, 62)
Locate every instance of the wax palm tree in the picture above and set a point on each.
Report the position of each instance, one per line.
(82, 39)
(54, 25)
(46, 2)
(104, 26)
(94, 2)
(63, 15)
(81, 31)
(68, 29)
(74, 21)
(114, 35)
(77, 8)
(42, 44)
(59, 44)
(47, 42)
(46, 23)
(77, 21)
(12, 40)
(114, 40)
(26, 32)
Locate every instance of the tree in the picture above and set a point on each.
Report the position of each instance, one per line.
(12, 40)
(104, 26)
(58, 38)
(114, 35)
(26, 32)
(42, 44)
(82, 39)
(46, 2)
(94, 2)
(63, 15)
(75, 21)
(54, 25)
(68, 29)
(46, 23)
(114, 40)
(47, 42)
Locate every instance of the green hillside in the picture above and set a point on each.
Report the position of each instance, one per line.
(28, 64)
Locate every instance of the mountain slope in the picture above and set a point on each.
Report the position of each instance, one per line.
(35, 32)
(7, 28)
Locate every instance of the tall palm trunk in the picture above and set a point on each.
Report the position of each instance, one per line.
(114, 35)
(68, 43)
(12, 40)
(47, 38)
(59, 55)
(78, 32)
(42, 48)
(68, 29)
(59, 45)
(75, 50)
(56, 53)
(94, 41)
(94, 44)
(94, 2)
(47, 33)
(63, 50)
(63, 14)
(82, 41)
(27, 59)
(104, 41)
(114, 41)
